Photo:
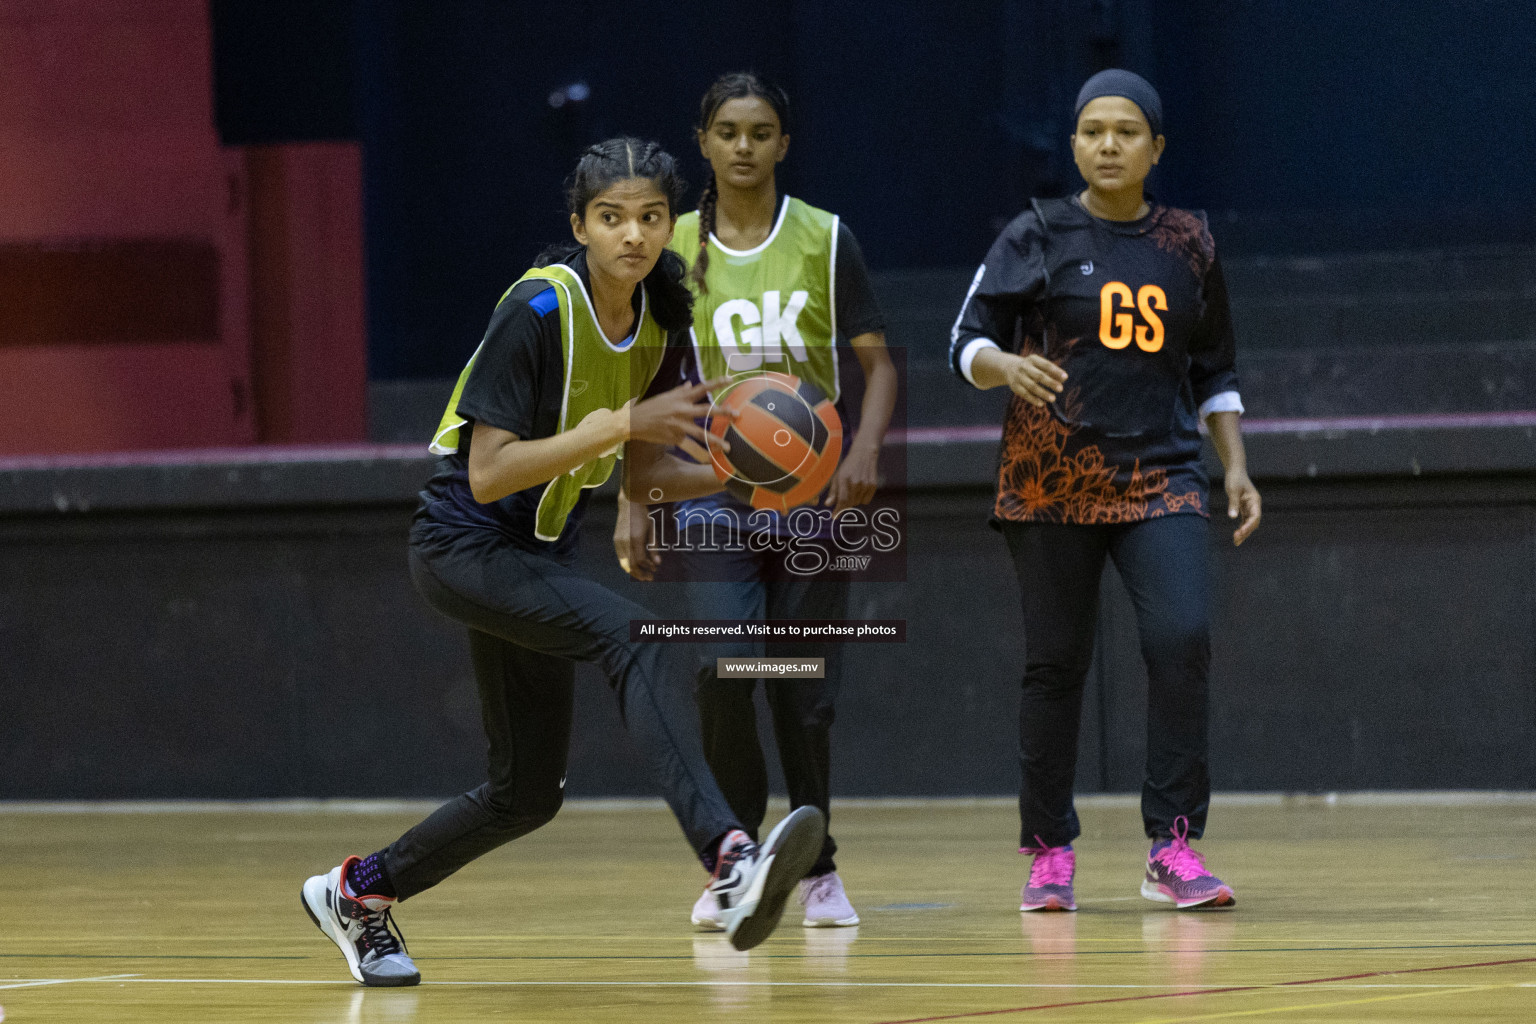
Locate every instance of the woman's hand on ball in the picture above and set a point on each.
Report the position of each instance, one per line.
(672, 418)
(1035, 379)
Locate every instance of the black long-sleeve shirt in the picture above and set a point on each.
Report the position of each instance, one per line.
(1136, 312)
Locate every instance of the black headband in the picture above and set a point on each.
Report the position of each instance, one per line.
(1117, 82)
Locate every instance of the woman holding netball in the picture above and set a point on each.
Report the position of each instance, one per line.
(775, 282)
(1125, 345)
(564, 382)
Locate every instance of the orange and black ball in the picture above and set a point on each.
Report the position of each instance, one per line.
(786, 439)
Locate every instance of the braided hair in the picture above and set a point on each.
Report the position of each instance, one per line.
(734, 86)
(601, 167)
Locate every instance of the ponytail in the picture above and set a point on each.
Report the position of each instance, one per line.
(707, 200)
(671, 301)
(559, 252)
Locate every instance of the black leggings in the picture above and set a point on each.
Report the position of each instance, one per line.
(530, 618)
(738, 583)
(1163, 563)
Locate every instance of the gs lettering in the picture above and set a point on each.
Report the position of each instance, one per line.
(1117, 324)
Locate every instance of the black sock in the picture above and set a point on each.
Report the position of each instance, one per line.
(368, 877)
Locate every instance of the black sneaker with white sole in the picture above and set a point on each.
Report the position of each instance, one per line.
(361, 926)
(753, 882)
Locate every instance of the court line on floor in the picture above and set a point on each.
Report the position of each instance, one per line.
(1003, 953)
(66, 981)
(1187, 993)
(153, 956)
(139, 979)
(860, 938)
(1453, 990)
(817, 955)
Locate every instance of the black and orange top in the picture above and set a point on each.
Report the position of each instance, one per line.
(1136, 312)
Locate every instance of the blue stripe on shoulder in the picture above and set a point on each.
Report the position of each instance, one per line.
(546, 302)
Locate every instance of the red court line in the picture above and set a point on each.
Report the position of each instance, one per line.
(1205, 991)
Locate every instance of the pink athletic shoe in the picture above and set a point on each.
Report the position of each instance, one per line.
(1050, 878)
(826, 904)
(1178, 875)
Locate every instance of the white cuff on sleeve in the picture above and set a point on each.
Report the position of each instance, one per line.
(968, 356)
(1226, 401)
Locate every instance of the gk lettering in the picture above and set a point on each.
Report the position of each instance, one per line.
(763, 332)
(1117, 325)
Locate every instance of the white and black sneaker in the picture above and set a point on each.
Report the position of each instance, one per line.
(362, 927)
(752, 883)
(706, 913)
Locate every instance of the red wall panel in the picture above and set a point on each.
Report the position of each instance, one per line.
(126, 239)
(307, 301)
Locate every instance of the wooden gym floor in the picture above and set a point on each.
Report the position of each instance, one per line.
(1348, 911)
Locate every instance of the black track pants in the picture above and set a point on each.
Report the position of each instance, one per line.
(530, 618)
(1163, 563)
(740, 584)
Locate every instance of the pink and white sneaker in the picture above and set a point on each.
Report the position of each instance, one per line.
(1050, 878)
(1178, 875)
(706, 913)
(826, 904)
